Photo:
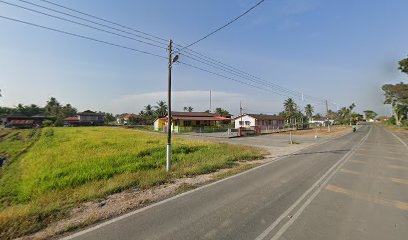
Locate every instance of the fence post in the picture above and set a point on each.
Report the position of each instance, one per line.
(290, 137)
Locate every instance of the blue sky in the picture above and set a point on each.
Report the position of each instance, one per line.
(340, 50)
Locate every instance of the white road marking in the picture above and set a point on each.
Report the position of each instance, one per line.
(399, 139)
(319, 186)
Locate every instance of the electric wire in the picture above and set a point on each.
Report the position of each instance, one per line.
(192, 52)
(221, 65)
(238, 75)
(103, 19)
(90, 21)
(230, 78)
(224, 26)
(81, 36)
(81, 24)
(245, 76)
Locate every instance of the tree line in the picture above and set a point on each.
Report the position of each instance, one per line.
(295, 116)
(396, 95)
(53, 109)
(150, 112)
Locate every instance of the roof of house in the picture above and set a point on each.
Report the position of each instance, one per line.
(262, 117)
(18, 116)
(40, 116)
(383, 118)
(198, 118)
(21, 122)
(130, 115)
(194, 114)
(71, 119)
(90, 113)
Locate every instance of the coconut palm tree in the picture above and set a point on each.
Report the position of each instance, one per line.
(161, 108)
(351, 107)
(309, 111)
(148, 110)
(188, 109)
(290, 107)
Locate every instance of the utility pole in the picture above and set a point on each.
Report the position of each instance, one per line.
(327, 116)
(169, 119)
(210, 101)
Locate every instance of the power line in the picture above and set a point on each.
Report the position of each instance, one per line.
(230, 78)
(206, 58)
(82, 24)
(220, 65)
(225, 25)
(82, 36)
(103, 19)
(93, 22)
(246, 76)
(240, 75)
(191, 52)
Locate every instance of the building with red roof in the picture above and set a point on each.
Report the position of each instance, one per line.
(191, 120)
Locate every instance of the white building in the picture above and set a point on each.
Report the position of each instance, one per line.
(321, 121)
(259, 120)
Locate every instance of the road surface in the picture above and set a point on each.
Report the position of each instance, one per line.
(352, 187)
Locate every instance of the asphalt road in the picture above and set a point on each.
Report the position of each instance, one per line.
(352, 187)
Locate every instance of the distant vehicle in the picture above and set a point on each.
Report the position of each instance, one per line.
(354, 128)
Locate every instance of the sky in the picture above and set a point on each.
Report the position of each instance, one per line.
(342, 51)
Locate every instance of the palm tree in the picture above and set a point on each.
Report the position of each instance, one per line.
(290, 107)
(309, 111)
(344, 113)
(188, 109)
(351, 107)
(161, 108)
(148, 110)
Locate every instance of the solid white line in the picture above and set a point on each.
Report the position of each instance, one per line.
(316, 184)
(98, 226)
(289, 223)
(402, 141)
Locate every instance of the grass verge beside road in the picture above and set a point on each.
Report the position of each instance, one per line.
(68, 166)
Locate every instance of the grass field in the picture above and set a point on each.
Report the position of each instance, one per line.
(67, 166)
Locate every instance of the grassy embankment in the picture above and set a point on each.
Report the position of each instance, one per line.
(67, 166)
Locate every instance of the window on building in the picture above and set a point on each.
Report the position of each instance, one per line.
(187, 123)
(247, 123)
(197, 122)
(241, 123)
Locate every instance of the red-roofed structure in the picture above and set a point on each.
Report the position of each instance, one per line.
(129, 118)
(190, 120)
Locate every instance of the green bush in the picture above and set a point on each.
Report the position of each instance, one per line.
(47, 123)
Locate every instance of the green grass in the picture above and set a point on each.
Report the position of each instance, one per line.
(67, 166)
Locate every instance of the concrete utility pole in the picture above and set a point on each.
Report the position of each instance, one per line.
(327, 116)
(210, 101)
(169, 119)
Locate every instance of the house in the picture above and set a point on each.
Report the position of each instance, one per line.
(261, 121)
(321, 121)
(382, 118)
(18, 120)
(125, 119)
(188, 121)
(86, 118)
